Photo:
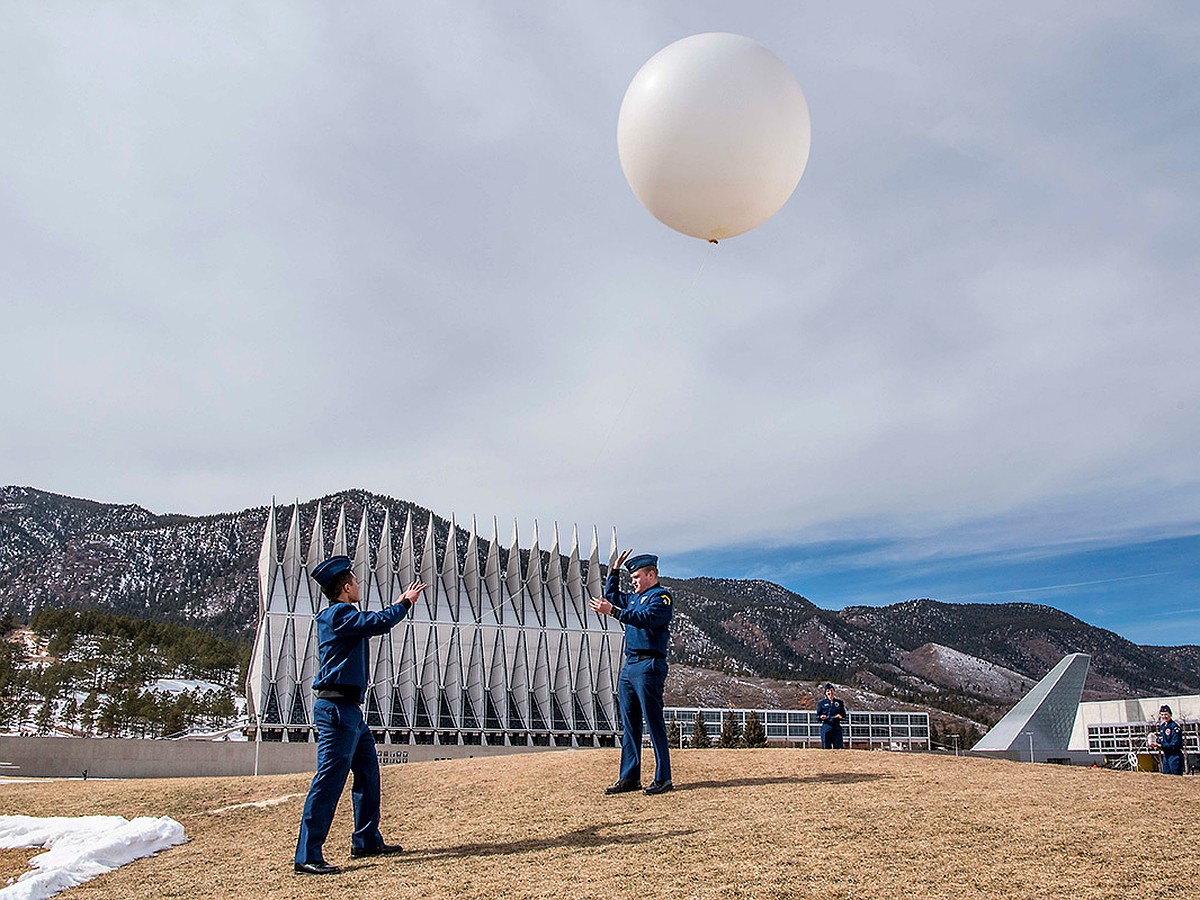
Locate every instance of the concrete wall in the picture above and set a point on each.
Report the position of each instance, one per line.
(44, 757)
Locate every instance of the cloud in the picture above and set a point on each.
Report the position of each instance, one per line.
(264, 251)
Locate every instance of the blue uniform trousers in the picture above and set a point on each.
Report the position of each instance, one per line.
(640, 693)
(344, 745)
(1172, 764)
(831, 737)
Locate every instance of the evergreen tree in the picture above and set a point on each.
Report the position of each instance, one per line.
(174, 720)
(87, 712)
(22, 698)
(45, 716)
(731, 732)
(225, 709)
(700, 738)
(70, 711)
(755, 735)
(673, 735)
(109, 720)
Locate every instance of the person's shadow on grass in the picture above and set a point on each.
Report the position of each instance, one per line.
(831, 778)
(589, 836)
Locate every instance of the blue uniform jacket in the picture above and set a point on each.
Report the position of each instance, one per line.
(646, 616)
(1170, 738)
(342, 632)
(829, 709)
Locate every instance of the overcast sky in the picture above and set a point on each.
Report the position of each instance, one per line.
(268, 249)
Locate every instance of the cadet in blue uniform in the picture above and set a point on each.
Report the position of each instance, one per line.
(646, 615)
(832, 712)
(1170, 742)
(344, 744)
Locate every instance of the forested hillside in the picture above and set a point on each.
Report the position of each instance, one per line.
(94, 673)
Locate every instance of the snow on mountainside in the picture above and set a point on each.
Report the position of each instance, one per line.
(962, 672)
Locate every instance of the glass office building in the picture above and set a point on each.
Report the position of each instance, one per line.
(866, 730)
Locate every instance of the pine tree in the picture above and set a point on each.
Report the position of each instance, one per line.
(225, 709)
(174, 720)
(731, 732)
(673, 735)
(755, 735)
(109, 721)
(45, 716)
(700, 738)
(87, 712)
(70, 711)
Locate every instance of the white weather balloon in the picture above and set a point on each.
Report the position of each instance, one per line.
(713, 135)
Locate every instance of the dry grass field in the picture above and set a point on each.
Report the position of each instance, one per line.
(741, 823)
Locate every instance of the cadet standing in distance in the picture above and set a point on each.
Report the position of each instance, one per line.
(344, 743)
(1170, 742)
(646, 615)
(832, 712)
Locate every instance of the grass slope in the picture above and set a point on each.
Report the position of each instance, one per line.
(742, 823)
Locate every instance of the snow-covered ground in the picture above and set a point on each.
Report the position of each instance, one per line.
(179, 685)
(80, 848)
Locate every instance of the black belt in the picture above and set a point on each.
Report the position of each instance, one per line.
(346, 694)
(639, 655)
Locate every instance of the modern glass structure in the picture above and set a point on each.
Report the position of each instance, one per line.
(490, 654)
(1041, 722)
(1050, 724)
(867, 730)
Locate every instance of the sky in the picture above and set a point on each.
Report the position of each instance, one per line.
(258, 250)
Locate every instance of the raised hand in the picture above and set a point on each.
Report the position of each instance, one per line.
(414, 591)
(600, 605)
(621, 559)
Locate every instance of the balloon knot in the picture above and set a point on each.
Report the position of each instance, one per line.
(712, 241)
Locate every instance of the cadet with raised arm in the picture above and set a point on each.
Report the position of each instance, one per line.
(646, 615)
(344, 743)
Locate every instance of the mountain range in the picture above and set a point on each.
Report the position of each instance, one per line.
(970, 660)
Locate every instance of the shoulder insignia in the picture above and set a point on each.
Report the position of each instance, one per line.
(666, 598)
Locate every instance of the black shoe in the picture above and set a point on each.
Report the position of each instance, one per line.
(659, 787)
(624, 786)
(381, 850)
(321, 868)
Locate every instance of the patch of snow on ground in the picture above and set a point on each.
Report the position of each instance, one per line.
(80, 848)
(260, 804)
(179, 685)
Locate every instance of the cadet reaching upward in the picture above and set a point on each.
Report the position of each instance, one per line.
(646, 615)
(344, 744)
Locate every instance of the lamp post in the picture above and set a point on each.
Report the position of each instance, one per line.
(1030, 733)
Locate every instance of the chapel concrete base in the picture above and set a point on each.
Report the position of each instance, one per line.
(46, 757)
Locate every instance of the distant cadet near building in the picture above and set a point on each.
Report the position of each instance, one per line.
(1170, 742)
(832, 713)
